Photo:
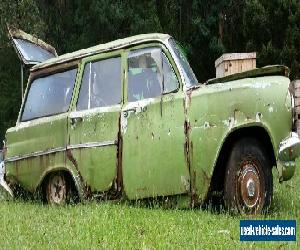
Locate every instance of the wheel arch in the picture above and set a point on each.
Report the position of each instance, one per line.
(219, 169)
(70, 176)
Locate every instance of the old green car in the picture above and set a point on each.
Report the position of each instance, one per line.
(129, 119)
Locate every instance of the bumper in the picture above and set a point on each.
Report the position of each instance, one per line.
(289, 150)
(3, 185)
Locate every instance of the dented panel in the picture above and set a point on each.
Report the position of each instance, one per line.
(154, 162)
(217, 110)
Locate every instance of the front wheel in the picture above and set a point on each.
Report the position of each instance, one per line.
(248, 186)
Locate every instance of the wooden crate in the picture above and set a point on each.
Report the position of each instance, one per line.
(296, 92)
(229, 64)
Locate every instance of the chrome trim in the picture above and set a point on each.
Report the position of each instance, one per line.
(61, 149)
(92, 144)
(289, 149)
(35, 154)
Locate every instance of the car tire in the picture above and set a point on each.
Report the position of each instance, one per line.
(58, 189)
(248, 186)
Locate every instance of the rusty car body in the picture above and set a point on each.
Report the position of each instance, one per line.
(153, 132)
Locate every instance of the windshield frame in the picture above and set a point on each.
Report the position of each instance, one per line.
(185, 70)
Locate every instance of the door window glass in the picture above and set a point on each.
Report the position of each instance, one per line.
(49, 95)
(101, 84)
(144, 74)
(170, 80)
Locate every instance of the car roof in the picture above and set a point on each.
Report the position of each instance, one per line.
(117, 44)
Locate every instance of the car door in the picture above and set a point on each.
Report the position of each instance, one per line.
(152, 125)
(94, 123)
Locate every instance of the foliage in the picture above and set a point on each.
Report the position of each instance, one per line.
(26, 15)
(205, 29)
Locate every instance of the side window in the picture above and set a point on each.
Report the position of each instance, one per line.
(49, 95)
(170, 80)
(144, 74)
(101, 84)
(149, 74)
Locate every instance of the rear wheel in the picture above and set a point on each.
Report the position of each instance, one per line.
(248, 186)
(58, 189)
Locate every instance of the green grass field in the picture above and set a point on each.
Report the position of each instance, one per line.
(106, 225)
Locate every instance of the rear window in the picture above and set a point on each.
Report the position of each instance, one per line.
(49, 95)
(31, 52)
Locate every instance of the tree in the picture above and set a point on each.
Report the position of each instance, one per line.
(205, 30)
(23, 14)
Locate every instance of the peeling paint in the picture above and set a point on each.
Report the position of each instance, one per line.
(185, 183)
(271, 109)
(206, 125)
(230, 122)
(123, 124)
(258, 117)
(260, 85)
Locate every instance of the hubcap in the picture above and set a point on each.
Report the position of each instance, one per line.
(249, 186)
(57, 190)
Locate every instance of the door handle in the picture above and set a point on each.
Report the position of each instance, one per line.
(128, 111)
(134, 110)
(75, 120)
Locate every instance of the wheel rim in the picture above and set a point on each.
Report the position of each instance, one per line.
(249, 187)
(56, 191)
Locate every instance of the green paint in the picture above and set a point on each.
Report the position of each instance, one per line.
(170, 144)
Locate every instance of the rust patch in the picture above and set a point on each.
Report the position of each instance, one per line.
(74, 162)
(52, 69)
(161, 107)
(119, 160)
(20, 34)
(17, 168)
(187, 147)
(206, 178)
(87, 188)
(189, 96)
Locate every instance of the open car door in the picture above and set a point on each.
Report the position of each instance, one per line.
(30, 49)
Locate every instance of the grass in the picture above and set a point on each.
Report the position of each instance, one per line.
(106, 225)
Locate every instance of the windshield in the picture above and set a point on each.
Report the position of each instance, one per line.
(188, 74)
(49, 95)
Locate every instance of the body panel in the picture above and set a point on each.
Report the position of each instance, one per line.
(31, 150)
(216, 110)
